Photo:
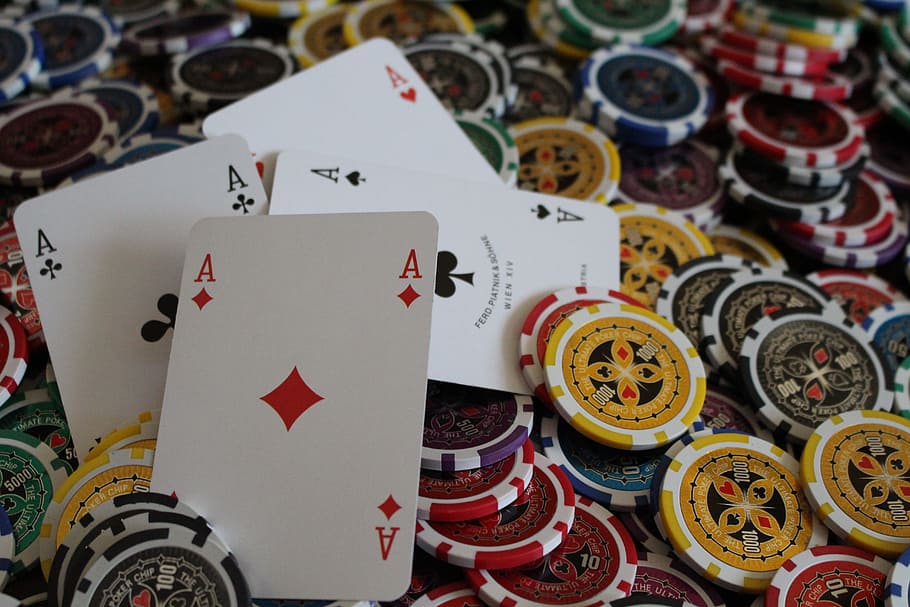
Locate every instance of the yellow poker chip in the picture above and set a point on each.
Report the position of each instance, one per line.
(741, 242)
(403, 21)
(734, 509)
(314, 38)
(654, 241)
(624, 377)
(281, 8)
(856, 467)
(753, 25)
(143, 435)
(94, 482)
(566, 157)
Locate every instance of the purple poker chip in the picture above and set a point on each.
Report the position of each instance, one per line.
(466, 428)
(181, 33)
(666, 577)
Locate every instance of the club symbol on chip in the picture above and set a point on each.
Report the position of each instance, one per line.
(291, 398)
(51, 267)
(446, 262)
(154, 330)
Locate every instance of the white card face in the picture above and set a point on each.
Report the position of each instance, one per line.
(367, 99)
(293, 414)
(105, 257)
(500, 251)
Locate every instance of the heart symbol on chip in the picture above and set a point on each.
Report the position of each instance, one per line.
(55, 440)
(726, 488)
(143, 599)
(866, 463)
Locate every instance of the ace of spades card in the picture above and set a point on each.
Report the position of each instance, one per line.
(104, 257)
(293, 413)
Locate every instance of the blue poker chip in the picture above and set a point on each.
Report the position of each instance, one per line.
(888, 327)
(620, 480)
(133, 105)
(21, 57)
(643, 95)
(148, 145)
(78, 41)
(897, 589)
(885, 5)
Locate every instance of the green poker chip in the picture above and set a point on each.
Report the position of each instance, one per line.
(902, 389)
(491, 139)
(832, 17)
(36, 413)
(646, 22)
(30, 472)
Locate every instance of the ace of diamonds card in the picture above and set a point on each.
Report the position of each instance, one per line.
(293, 410)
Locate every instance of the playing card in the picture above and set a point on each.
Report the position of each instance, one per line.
(104, 256)
(367, 99)
(500, 251)
(293, 412)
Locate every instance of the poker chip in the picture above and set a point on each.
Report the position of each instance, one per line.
(148, 145)
(23, 57)
(455, 594)
(587, 366)
(641, 527)
(653, 243)
(141, 435)
(888, 157)
(466, 428)
(461, 76)
(780, 49)
(309, 603)
(705, 15)
(794, 366)
(757, 61)
(565, 157)
(95, 481)
(491, 139)
(893, 42)
(856, 291)
(73, 551)
(869, 216)
(826, 573)
(732, 240)
(37, 472)
(665, 578)
(495, 54)
(598, 546)
(827, 87)
(620, 480)
(13, 353)
(542, 91)
(683, 296)
(848, 459)
(828, 18)
(184, 32)
(892, 103)
(35, 413)
(47, 140)
(543, 319)
(805, 176)
(628, 24)
(131, 104)
(78, 42)
(898, 582)
(472, 494)
(282, 8)
(134, 11)
(211, 77)
(888, 327)
(316, 37)
(793, 35)
(403, 21)
(902, 389)
(740, 301)
(682, 178)
(801, 132)
(524, 532)
(753, 187)
(736, 470)
(645, 96)
(137, 564)
(7, 547)
(555, 33)
(725, 410)
(866, 256)
(17, 291)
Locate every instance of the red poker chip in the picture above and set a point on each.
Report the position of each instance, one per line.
(763, 63)
(523, 532)
(826, 87)
(16, 289)
(806, 133)
(857, 292)
(456, 594)
(469, 494)
(596, 563)
(13, 354)
(778, 48)
(867, 220)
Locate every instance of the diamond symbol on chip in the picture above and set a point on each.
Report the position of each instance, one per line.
(408, 296)
(389, 507)
(291, 398)
(202, 298)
